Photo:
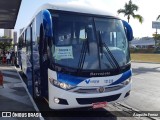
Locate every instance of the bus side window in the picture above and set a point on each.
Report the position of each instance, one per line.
(28, 40)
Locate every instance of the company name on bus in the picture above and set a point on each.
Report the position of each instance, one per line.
(99, 74)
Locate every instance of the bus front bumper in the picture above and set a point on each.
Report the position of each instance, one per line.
(62, 99)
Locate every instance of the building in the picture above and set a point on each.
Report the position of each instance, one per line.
(15, 40)
(143, 42)
(8, 33)
(21, 30)
(14, 37)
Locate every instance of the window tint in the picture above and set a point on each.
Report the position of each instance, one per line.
(28, 40)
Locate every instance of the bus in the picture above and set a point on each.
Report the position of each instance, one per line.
(76, 56)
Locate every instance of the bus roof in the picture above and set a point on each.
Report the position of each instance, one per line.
(76, 8)
(72, 8)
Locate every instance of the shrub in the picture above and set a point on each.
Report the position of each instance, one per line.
(148, 50)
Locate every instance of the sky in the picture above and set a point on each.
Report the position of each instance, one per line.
(149, 9)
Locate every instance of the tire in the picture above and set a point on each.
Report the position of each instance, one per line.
(37, 87)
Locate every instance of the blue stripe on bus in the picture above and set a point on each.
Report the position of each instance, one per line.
(74, 80)
(69, 79)
(124, 77)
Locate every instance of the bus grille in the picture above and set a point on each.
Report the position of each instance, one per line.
(84, 101)
(93, 90)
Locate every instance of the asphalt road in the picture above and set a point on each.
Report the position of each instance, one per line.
(145, 95)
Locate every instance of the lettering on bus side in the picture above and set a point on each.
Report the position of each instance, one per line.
(108, 81)
(100, 74)
(88, 81)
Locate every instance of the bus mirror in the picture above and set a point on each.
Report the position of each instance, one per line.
(128, 30)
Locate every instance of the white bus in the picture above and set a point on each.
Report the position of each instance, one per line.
(76, 56)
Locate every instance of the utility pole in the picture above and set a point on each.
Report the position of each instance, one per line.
(156, 39)
(156, 25)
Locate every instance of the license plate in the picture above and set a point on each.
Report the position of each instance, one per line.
(99, 105)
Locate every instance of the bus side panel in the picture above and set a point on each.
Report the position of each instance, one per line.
(31, 51)
(28, 58)
(23, 54)
(35, 52)
(19, 50)
(44, 42)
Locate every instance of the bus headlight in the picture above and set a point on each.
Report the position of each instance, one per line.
(64, 86)
(60, 84)
(126, 82)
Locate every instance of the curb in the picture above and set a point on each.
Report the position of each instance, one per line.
(144, 62)
(136, 111)
(34, 104)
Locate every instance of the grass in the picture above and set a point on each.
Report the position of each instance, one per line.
(145, 57)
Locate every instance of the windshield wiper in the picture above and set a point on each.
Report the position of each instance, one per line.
(113, 58)
(83, 55)
(110, 57)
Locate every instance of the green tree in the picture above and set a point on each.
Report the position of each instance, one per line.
(5, 37)
(157, 40)
(5, 46)
(129, 9)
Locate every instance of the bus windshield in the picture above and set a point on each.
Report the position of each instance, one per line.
(89, 43)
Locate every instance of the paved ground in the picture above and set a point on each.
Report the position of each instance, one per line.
(145, 95)
(13, 96)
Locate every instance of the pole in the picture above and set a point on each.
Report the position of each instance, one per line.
(156, 39)
(1, 80)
